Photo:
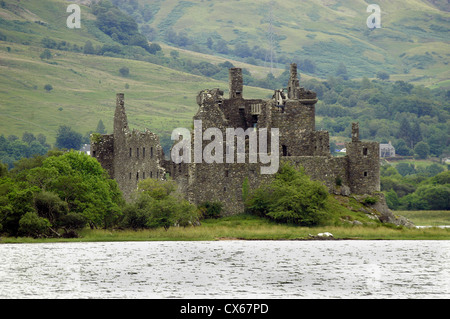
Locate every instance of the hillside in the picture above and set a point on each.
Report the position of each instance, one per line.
(412, 43)
(84, 86)
(37, 50)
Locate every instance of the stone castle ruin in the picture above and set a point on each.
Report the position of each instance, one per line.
(130, 156)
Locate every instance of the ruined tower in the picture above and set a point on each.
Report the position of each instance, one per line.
(236, 83)
(363, 164)
(128, 156)
(293, 84)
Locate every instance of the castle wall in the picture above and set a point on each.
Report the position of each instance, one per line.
(223, 182)
(363, 167)
(138, 158)
(103, 151)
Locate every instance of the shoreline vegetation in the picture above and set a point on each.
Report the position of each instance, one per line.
(67, 197)
(248, 227)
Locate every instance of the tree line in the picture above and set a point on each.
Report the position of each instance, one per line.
(13, 149)
(408, 187)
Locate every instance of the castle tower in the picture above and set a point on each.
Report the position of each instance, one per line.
(355, 132)
(120, 117)
(236, 83)
(293, 84)
(363, 164)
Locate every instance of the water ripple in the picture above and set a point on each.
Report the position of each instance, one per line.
(228, 269)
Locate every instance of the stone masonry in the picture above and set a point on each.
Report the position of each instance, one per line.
(131, 155)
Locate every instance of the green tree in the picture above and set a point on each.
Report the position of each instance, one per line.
(28, 137)
(291, 198)
(85, 187)
(68, 138)
(100, 127)
(341, 71)
(405, 169)
(405, 132)
(392, 199)
(437, 196)
(157, 204)
(3, 169)
(88, 48)
(48, 87)
(32, 225)
(46, 54)
(50, 206)
(422, 150)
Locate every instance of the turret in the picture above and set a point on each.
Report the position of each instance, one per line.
(293, 85)
(355, 132)
(236, 83)
(363, 164)
(120, 117)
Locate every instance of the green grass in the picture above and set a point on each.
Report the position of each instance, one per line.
(427, 217)
(84, 87)
(247, 227)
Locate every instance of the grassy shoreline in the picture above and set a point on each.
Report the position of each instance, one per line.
(245, 227)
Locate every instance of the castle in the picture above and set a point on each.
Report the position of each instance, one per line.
(130, 156)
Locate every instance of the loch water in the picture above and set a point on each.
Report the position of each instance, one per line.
(227, 269)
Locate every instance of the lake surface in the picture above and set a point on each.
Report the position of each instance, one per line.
(227, 269)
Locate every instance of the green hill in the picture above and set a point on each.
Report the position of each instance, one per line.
(412, 43)
(37, 49)
(84, 86)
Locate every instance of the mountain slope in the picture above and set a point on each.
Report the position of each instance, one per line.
(83, 86)
(412, 43)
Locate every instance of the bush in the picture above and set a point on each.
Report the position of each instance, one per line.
(157, 204)
(290, 198)
(422, 150)
(46, 54)
(370, 200)
(124, 71)
(32, 225)
(68, 138)
(210, 210)
(72, 222)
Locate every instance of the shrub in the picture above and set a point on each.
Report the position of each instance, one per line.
(124, 71)
(72, 222)
(32, 225)
(210, 210)
(290, 198)
(370, 200)
(157, 204)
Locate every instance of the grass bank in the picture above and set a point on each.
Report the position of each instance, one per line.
(427, 217)
(245, 227)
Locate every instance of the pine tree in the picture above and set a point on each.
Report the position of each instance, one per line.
(100, 128)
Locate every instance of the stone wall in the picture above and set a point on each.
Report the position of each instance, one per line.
(138, 158)
(103, 150)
